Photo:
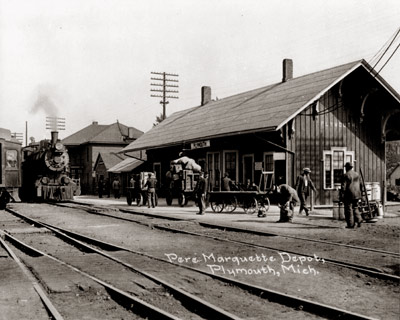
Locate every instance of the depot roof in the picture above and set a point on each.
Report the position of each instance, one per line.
(264, 109)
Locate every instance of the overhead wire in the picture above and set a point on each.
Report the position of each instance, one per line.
(391, 43)
(381, 49)
(388, 59)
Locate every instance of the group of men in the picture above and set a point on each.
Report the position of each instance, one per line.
(104, 187)
(349, 194)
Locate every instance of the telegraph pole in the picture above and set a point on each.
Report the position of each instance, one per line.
(165, 84)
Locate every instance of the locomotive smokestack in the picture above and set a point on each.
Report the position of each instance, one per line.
(54, 138)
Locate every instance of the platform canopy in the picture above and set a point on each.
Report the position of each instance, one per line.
(126, 165)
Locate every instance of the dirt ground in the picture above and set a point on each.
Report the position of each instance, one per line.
(334, 286)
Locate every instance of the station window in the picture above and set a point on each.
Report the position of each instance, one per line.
(230, 164)
(334, 161)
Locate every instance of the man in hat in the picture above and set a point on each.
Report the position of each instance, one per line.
(303, 186)
(201, 191)
(350, 193)
(151, 190)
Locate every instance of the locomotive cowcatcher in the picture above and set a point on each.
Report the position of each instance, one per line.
(45, 172)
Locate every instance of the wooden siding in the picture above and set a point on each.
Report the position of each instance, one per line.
(338, 125)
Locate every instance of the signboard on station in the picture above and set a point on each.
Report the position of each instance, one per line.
(200, 144)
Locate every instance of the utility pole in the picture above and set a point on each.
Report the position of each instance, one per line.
(165, 84)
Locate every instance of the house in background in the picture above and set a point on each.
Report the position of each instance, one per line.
(320, 120)
(85, 145)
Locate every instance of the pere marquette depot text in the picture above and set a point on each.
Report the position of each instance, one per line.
(257, 264)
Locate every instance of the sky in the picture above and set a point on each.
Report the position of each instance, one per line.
(91, 60)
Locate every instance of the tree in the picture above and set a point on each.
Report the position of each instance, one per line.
(159, 119)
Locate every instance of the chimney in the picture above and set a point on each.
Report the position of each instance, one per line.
(205, 95)
(54, 138)
(130, 133)
(287, 70)
(95, 123)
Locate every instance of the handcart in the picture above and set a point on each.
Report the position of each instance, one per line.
(250, 201)
(369, 209)
(181, 184)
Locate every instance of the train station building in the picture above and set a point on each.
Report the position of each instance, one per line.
(320, 120)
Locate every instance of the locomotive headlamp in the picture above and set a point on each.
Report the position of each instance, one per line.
(59, 146)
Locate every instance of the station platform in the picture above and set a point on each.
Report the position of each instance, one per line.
(318, 213)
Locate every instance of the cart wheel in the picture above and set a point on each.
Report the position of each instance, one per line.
(365, 216)
(139, 200)
(129, 198)
(217, 206)
(230, 205)
(168, 198)
(250, 206)
(264, 204)
(181, 199)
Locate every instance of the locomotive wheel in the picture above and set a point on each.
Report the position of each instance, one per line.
(181, 199)
(250, 206)
(129, 198)
(230, 205)
(217, 206)
(139, 199)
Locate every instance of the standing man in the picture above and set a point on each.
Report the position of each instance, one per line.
(116, 186)
(303, 186)
(151, 190)
(350, 193)
(226, 182)
(287, 201)
(100, 187)
(201, 192)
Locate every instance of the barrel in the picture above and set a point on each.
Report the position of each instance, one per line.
(338, 210)
(376, 191)
(368, 190)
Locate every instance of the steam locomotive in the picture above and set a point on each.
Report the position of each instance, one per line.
(45, 172)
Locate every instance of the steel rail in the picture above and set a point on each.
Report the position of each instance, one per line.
(145, 308)
(369, 270)
(372, 271)
(51, 309)
(329, 312)
(258, 232)
(203, 306)
(231, 228)
(305, 305)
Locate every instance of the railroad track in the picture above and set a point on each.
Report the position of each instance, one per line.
(206, 309)
(260, 237)
(181, 304)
